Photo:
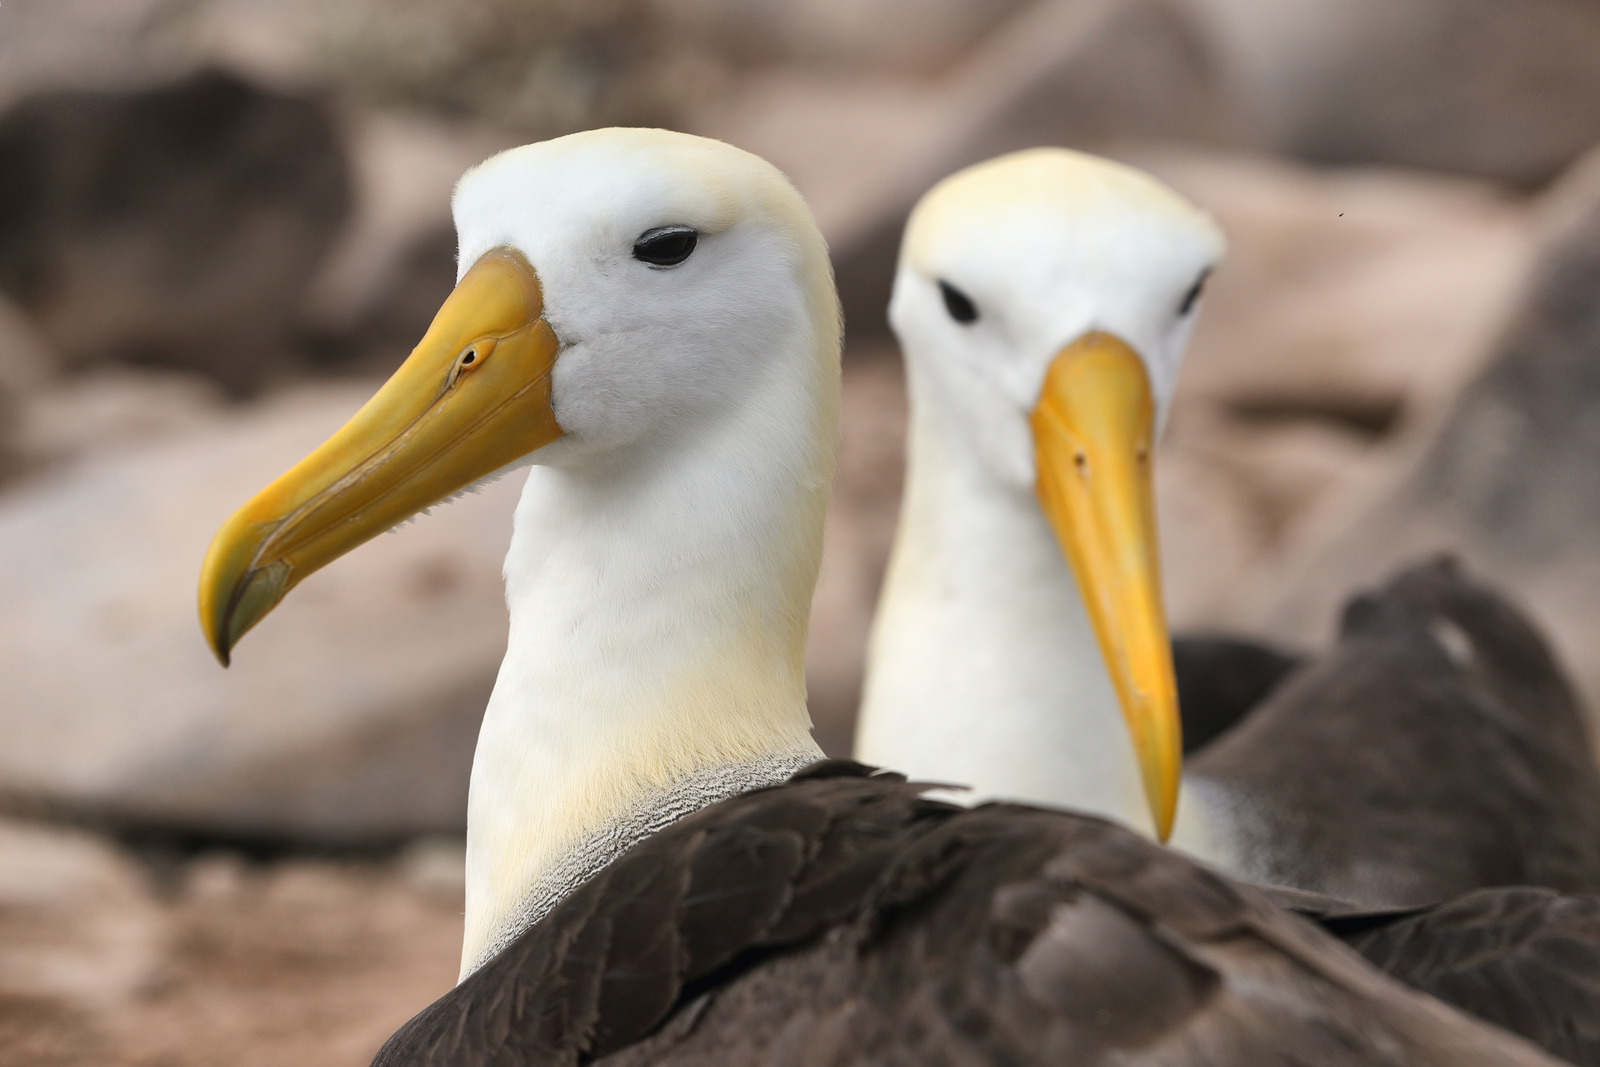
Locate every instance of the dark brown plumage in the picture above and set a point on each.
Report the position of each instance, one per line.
(842, 918)
(1524, 959)
(1436, 750)
(1220, 681)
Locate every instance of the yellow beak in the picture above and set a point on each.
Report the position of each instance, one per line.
(1092, 433)
(473, 396)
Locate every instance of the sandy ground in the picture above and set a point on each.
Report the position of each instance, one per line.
(305, 962)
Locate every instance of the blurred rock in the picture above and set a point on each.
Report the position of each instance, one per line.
(435, 865)
(916, 36)
(175, 226)
(26, 361)
(25, 365)
(394, 262)
(74, 44)
(1509, 479)
(1085, 73)
(1507, 91)
(109, 410)
(1360, 299)
(540, 69)
(860, 526)
(1351, 310)
(77, 922)
(350, 715)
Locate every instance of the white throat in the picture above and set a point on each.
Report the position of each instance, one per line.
(659, 597)
(984, 668)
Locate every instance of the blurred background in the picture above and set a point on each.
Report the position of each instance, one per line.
(222, 222)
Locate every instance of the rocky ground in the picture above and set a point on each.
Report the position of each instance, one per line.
(112, 957)
(263, 865)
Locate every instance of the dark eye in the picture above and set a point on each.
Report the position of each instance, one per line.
(1192, 297)
(959, 304)
(665, 246)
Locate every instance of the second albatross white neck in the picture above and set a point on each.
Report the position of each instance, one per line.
(659, 596)
(984, 667)
(980, 610)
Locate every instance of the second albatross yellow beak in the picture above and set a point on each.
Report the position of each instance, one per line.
(1093, 430)
(473, 396)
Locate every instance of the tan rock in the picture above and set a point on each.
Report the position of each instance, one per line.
(108, 411)
(77, 921)
(350, 714)
(1350, 312)
(883, 35)
(1508, 478)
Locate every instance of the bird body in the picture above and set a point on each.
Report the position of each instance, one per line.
(844, 918)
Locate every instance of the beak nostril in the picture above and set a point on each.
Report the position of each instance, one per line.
(1081, 458)
(467, 360)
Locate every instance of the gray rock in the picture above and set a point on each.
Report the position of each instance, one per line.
(1509, 91)
(174, 226)
(349, 715)
(78, 923)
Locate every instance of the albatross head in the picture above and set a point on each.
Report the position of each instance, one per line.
(1044, 300)
(619, 290)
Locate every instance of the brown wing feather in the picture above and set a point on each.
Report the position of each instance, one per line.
(1525, 959)
(1436, 750)
(845, 919)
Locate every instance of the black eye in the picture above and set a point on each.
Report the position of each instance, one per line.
(665, 246)
(959, 304)
(1192, 297)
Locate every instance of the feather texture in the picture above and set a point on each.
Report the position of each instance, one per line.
(844, 918)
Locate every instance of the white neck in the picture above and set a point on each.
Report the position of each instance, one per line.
(659, 598)
(983, 668)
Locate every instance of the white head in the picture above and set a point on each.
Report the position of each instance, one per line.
(1045, 247)
(650, 343)
(1043, 301)
(619, 291)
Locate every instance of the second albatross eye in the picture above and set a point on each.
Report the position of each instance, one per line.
(1192, 297)
(959, 304)
(665, 246)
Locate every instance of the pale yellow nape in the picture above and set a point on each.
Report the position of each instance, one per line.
(1036, 183)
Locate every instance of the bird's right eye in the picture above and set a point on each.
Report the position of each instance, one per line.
(665, 246)
(959, 304)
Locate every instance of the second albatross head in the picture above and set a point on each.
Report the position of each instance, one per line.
(1043, 300)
